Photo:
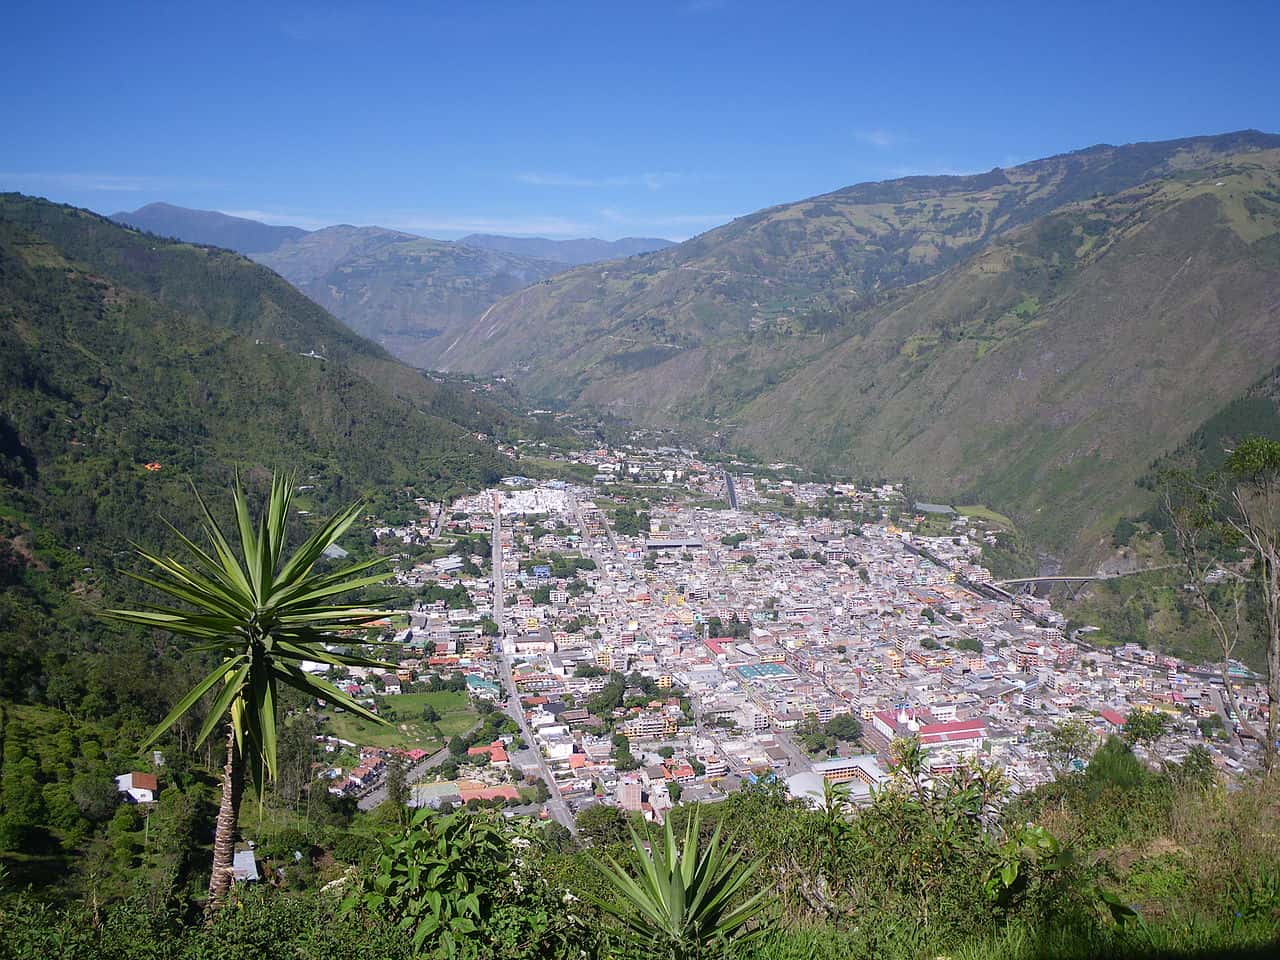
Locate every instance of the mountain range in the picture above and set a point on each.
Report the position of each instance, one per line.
(209, 227)
(413, 295)
(1032, 337)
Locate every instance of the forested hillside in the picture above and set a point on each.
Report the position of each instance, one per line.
(1154, 608)
(134, 365)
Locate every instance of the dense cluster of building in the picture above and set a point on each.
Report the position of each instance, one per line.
(674, 646)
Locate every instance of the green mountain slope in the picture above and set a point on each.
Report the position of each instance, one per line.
(1255, 413)
(408, 293)
(1154, 609)
(208, 227)
(1047, 372)
(1031, 338)
(123, 350)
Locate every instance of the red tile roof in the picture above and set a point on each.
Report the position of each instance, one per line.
(1112, 717)
(958, 730)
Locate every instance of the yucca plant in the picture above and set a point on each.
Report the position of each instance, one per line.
(263, 614)
(683, 903)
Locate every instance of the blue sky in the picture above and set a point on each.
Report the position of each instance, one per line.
(604, 119)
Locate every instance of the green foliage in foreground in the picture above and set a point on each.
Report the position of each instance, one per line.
(453, 885)
(682, 902)
(264, 615)
(267, 924)
(1110, 861)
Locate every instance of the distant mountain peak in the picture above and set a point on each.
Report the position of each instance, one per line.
(209, 227)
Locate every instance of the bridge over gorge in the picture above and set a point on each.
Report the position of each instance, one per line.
(1077, 580)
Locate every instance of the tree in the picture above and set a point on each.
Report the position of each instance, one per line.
(21, 802)
(557, 837)
(173, 825)
(679, 902)
(95, 795)
(1146, 727)
(430, 714)
(296, 751)
(674, 790)
(122, 835)
(1197, 770)
(844, 726)
(263, 613)
(629, 523)
(1238, 508)
(397, 789)
(602, 825)
(1069, 744)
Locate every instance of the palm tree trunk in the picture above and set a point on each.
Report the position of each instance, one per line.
(224, 838)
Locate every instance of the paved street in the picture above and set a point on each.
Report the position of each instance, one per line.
(556, 804)
(378, 794)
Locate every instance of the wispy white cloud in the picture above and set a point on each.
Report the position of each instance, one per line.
(427, 224)
(98, 182)
(536, 226)
(650, 181)
(679, 225)
(877, 138)
(607, 222)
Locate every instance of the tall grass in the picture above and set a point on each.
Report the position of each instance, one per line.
(1171, 940)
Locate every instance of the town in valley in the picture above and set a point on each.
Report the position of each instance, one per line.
(677, 627)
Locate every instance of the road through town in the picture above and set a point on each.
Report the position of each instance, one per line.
(556, 804)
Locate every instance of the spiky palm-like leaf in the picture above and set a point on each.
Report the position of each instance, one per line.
(263, 612)
(682, 900)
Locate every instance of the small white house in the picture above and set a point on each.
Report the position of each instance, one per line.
(138, 787)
